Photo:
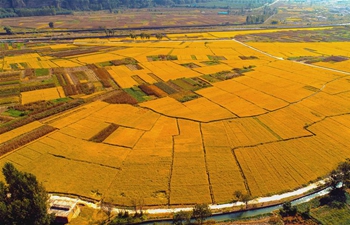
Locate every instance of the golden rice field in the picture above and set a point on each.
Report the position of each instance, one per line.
(273, 128)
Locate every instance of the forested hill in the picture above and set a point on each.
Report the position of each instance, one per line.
(14, 8)
(92, 4)
(112, 4)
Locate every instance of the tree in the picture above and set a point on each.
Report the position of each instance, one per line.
(242, 197)
(142, 35)
(339, 180)
(107, 206)
(159, 36)
(340, 177)
(23, 200)
(51, 25)
(201, 212)
(8, 30)
(132, 36)
(181, 218)
(288, 209)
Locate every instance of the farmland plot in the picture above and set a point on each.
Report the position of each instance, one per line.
(183, 122)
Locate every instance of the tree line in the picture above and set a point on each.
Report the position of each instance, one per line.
(15, 8)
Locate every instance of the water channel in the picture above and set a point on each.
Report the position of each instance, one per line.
(251, 212)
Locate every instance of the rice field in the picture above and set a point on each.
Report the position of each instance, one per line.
(197, 120)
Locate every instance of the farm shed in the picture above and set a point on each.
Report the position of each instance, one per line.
(64, 209)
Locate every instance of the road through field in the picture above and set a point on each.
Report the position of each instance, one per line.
(280, 58)
(255, 49)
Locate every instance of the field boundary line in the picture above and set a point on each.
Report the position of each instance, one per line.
(172, 160)
(83, 161)
(221, 106)
(255, 49)
(271, 142)
(206, 166)
(268, 128)
(241, 171)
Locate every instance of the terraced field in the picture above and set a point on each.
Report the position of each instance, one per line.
(176, 122)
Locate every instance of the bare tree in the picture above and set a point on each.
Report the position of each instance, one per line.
(107, 207)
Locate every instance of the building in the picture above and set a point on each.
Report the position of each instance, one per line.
(65, 209)
(223, 13)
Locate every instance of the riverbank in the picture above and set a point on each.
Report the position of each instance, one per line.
(222, 212)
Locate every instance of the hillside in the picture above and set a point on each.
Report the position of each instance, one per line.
(112, 4)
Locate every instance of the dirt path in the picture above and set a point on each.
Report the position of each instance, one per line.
(257, 50)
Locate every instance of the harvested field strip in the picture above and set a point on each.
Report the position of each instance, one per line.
(189, 183)
(25, 138)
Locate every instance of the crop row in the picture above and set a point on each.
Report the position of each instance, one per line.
(12, 144)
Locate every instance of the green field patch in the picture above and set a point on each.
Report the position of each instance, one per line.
(211, 63)
(104, 64)
(15, 113)
(316, 59)
(9, 82)
(161, 57)
(59, 100)
(225, 75)
(185, 96)
(44, 84)
(14, 66)
(190, 65)
(42, 72)
(24, 65)
(248, 57)
(9, 91)
(137, 93)
(216, 57)
(191, 84)
(124, 61)
(311, 88)
(166, 88)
